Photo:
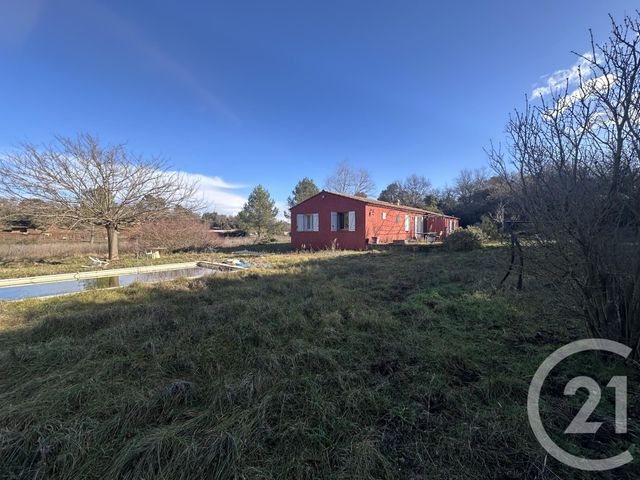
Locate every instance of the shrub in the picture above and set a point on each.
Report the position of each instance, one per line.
(478, 232)
(463, 240)
(176, 234)
(489, 228)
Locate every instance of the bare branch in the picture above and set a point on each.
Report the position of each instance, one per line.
(78, 180)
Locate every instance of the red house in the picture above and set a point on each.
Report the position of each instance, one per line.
(331, 219)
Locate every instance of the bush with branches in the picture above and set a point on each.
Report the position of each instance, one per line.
(463, 240)
(572, 161)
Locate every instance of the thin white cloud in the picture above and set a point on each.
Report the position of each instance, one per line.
(134, 36)
(560, 79)
(588, 88)
(216, 193)
(18, 20)
(213, 182)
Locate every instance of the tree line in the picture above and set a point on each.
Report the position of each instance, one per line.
(82, 183)
(477, 197)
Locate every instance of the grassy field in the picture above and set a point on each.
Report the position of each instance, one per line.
(43, 264)
(328, 365)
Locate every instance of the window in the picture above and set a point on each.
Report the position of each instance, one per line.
(407, 223)
(343, 221)
(308, 222)
(384, 215)
(397, 218)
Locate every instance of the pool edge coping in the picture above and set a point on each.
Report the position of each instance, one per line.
(61, 277)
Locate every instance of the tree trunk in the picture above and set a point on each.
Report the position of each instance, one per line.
(112, 242)
(91, 238)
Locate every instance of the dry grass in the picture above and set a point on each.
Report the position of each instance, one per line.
(328, 365)
(37, 251)
(42, 251)
(46, 258)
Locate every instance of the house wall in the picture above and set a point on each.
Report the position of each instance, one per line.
(441, 225)
(387, 230)
(369, 224)
(323, 204)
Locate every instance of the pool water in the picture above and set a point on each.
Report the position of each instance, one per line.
(72, 286)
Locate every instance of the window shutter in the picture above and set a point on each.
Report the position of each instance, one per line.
(334, 221)
(300, 222)
(407, 223)
(352, 221)
(316, 222)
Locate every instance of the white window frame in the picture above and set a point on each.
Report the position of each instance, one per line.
(348, 221)
(407, 223)
(308, 222)
(352, 221)
(384, 215)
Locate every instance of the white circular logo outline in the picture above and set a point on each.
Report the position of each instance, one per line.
(533, 405)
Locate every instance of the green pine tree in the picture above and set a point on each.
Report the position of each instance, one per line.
(259, 213)
(304, 189)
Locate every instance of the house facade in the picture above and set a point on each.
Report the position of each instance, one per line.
(330, 219)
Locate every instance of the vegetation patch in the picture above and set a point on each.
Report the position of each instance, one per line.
(327, 365)
(463, 240)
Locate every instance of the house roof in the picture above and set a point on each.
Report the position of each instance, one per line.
(371, 201)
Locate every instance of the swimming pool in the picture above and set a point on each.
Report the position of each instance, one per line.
(20, 292)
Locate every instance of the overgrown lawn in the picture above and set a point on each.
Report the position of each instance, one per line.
(328, 365)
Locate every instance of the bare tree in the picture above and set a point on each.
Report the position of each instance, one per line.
(415, 191)
(175, 232)
(81, 182)
(363, 184)
(469, 182)
(573, 163)
(476, 197)
(352, 181)
(341, 180)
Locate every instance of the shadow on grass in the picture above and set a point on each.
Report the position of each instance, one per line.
(368, 365)
(262, 247)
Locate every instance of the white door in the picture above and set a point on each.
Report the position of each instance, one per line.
(419, 226)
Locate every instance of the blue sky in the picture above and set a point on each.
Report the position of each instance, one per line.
(247, 92)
